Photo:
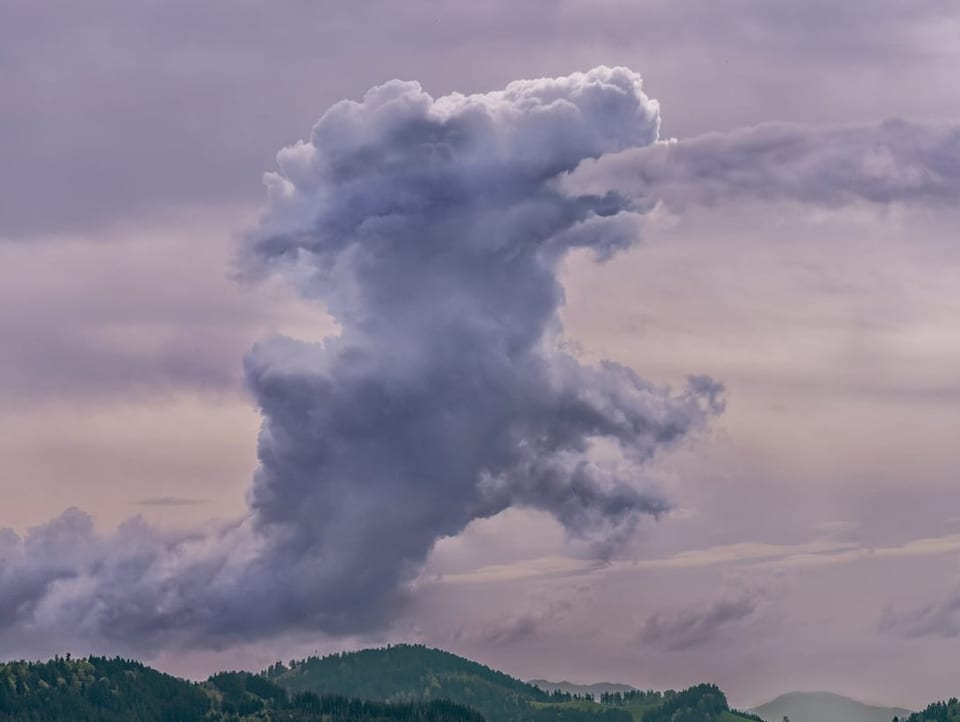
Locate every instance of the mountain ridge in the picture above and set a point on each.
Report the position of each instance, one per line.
(101, 689)
(403, 672)
(400, 683)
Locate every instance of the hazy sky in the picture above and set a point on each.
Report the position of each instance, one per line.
(793, 245)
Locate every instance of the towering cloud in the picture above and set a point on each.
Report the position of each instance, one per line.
(431, 229)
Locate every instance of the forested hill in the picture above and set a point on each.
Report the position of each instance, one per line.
(97, 689)
(400, 671)
(414, 672)
(948, 711)
(406, 672)
(397, 684)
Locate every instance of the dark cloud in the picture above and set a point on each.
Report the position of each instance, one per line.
(892, 161)
(65, 584)
(688, 628)
(432, 231)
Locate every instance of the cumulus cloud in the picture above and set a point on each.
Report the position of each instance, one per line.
(888, 162)
(64, 582)
(429, 228)
(432, 230)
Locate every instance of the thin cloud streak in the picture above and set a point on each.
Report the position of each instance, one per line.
(751, 554)
(171, 501)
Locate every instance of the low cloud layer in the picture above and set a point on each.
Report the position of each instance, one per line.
(431, 230)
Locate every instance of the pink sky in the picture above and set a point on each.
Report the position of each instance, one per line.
(814, 540)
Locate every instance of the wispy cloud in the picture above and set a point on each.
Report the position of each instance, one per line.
(522, 569)
(695, 626)
(756, 554)
(939, 619)
(171, 501)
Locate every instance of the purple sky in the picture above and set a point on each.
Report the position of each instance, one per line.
(811, 267)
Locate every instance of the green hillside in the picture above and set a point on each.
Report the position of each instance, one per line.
(397, 684)
(824, 707)
(948, 711)
(97, 689)
(415, 672)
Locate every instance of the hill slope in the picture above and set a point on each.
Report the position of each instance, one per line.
(402, 684)
(824, 707)
(98, 689)
(414, 672)
(937, 712)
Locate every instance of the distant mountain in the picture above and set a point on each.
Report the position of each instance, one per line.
(824, 707)
(596, 689)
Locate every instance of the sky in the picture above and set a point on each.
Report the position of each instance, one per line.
(598, 341)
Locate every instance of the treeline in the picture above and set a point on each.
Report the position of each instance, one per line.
(378, 673)
(948, 711)
(244, 695)
(558, 695)
(409, 672)
(403, 673)
(702, 703)
(576, 714)
(97, 689)
(413, 684)
(634, 696)
(334, 707)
